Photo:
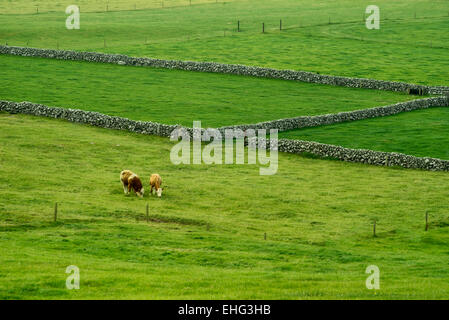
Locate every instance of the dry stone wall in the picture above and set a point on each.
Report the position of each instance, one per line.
(224, 68)
(352, 155)
(326, 119)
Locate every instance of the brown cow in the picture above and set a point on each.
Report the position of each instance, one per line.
(156, 183)
(130, 181)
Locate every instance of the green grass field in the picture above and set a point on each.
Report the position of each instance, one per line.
(317, 215)
(401, 50)
(206, 236)
(175, 97)
(421, 133)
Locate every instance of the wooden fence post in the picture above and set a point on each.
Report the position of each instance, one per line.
(374, 229)
(265, 236)
(280, 25)
(263, 27)
(427, 220)
(238, 26)
(148, 213)
(56, 211)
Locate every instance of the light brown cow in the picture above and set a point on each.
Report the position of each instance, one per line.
(130, 180)
(156, 183)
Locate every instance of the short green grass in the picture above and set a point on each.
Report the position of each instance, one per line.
(317, 214)
(401, 50)
(421, 133)
(43, 6)
(175, 97)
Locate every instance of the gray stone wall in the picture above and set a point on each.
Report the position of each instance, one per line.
(88, 117)
(353, 155)
(326, 119)
(223, 68)
(283, 145)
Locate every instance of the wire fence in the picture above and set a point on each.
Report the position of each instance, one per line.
(89, 6)
(319, 26)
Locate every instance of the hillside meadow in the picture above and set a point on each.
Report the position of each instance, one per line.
(421, 133)
(173, 96)
(221, 231)
(325, 37)
(205, 238)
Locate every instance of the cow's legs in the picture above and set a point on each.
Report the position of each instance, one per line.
(125, 189)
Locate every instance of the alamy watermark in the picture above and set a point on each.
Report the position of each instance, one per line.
(373, 20)
(73, 280)
(73, 20)
(373, 280)
(192, 150)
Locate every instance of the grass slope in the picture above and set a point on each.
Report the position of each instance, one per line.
(175, 97)
(317, 214)
(400, 50)
(421, 133)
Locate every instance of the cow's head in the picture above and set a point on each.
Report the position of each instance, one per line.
(159, 192)
(141, 192)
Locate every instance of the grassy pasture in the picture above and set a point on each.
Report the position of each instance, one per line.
(45, 6)
(421, 133)
(317, 215)
(205, 238)
(405, 48)
(175, 97)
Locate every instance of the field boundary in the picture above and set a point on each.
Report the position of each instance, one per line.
(88, 117)
(213, 67)
(333, 118)
(284, 145)
(366, 156)
(155, 128)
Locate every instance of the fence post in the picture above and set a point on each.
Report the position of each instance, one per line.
(374, 229)
(56, 211)
(427, 220)
(263, 27)
(238, 26)
(280, 25)
(265, 236)
(148, 213)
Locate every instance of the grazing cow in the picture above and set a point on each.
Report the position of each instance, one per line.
(130, 181)
(156, 183)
